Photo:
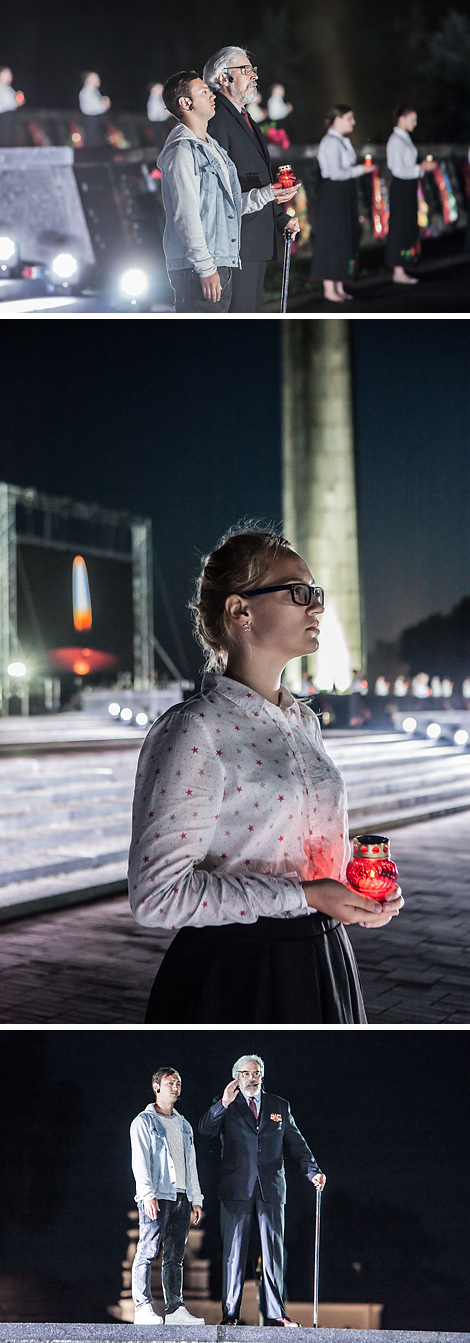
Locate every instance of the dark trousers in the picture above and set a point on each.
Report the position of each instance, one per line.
(7, 129)
(188, 291)
(94, 130)
(247, 287)
(236, 1218)
(170, 1228)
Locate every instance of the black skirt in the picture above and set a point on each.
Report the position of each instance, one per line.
(403, 241)
(337, 235)
(274, 971)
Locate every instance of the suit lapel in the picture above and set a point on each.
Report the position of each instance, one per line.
(254, 134)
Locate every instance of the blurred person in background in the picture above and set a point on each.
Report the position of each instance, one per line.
(158, 115)
(277, 107)
(93, 106)
(403, 242)
(232, 77)
(8, 107)
(337, 233)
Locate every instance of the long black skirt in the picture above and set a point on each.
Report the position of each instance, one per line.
(273, 971)
(337, 234)
(403, 241)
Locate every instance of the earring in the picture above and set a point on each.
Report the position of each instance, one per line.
(246, 627)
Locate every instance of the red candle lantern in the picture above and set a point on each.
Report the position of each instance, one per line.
(371, 870)
(286, 176)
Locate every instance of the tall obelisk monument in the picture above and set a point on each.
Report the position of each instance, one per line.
(319, 486)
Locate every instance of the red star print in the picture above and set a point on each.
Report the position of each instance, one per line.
(202, 715)
(249, 694)
(269, 738)
(281, 797)
(201, 772)
(281, 837)
(256, 804)
(157, 836)
(204, 903)
(195, 750)
(227, 832)
(194, 814)
(146, 858)
(157, 771)
(183, 836)
(189, 792)
(162, 791)
(237, 729)
(151, 814)
(223, 855)
(219, 752)
(242, 912)
(247, 862)
(258, 762)
(169, 748)
(239, 790)
(166, 731)
(250, 827)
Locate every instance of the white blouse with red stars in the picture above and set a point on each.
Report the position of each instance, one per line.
(236, 804)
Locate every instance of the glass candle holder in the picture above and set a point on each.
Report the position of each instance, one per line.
(371, 870)
(286, 176)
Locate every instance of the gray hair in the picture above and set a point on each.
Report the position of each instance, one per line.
(247, 1058)
(220, 63)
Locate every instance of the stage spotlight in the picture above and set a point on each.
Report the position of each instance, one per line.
(134, 284)
(16, 669)
(114, 709)
(461, 737)
(409, 724)
(64, 266)
(126, 715)
(433, 731)
(141, 719)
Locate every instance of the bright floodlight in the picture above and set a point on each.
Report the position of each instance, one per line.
(409, 724)
(114, 709)
(141, 719)
(7, 248)
(64, 265)
(461, 737)
(16, 669)
(134, 283)
(433, 731)
(126, 715)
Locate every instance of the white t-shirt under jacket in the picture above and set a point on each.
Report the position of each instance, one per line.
(236, 804)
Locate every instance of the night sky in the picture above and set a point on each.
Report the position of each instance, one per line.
(386, 1115)
(182, 422)
(364, 51)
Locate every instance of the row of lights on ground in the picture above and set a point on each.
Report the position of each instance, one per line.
(434, 730)
(127, 714)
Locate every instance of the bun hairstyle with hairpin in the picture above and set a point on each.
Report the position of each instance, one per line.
(338, 110)
(241, 560)
(402, 110)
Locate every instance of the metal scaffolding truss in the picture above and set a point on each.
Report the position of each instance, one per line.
(140, 556)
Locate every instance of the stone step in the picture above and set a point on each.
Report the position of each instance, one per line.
(124, 1333)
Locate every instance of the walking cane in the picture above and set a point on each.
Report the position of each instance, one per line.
(316, 1264)
(285, 270)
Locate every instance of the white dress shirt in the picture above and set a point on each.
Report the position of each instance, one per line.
(236, 804)
(156, 110)
(402, 155)
(337, 158)
(8, 101)
(91, 101)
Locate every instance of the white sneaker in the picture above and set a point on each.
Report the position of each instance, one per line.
(182, 1316)
(146, 1315)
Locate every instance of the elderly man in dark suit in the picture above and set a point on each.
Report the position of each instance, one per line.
(254, 1128)
(231, 76)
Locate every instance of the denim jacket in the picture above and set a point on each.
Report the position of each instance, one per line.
(152, 1162)
(203, 217)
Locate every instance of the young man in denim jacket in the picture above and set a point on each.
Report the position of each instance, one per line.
(167, 1187)
(203, 201)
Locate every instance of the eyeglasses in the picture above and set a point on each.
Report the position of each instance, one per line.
(253, 1075)
(245, 69)
(301, 593)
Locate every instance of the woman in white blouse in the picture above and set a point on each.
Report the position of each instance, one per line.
(240, 836)
(337, 232)
(403, 242)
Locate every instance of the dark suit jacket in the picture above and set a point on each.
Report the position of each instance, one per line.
(249, 152)
(253, 1149)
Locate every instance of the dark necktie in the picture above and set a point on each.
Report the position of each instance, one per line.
(252, 1105)
(248, 122)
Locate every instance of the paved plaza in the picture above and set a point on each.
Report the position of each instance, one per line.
(93, 964)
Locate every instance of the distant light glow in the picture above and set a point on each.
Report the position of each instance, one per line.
(461, 737)
(114, 709)
(409, 724)
(16, 669)
(82, 617)
(141, 719)
(126, 715)
(333, 662)
(80, 667)
(134, 283)
(76, 137)
(64, 265)
(433, 731)
(7, 248)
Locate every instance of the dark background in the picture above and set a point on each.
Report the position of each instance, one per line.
(170, 420)
(367, 52)
(385, 1112)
